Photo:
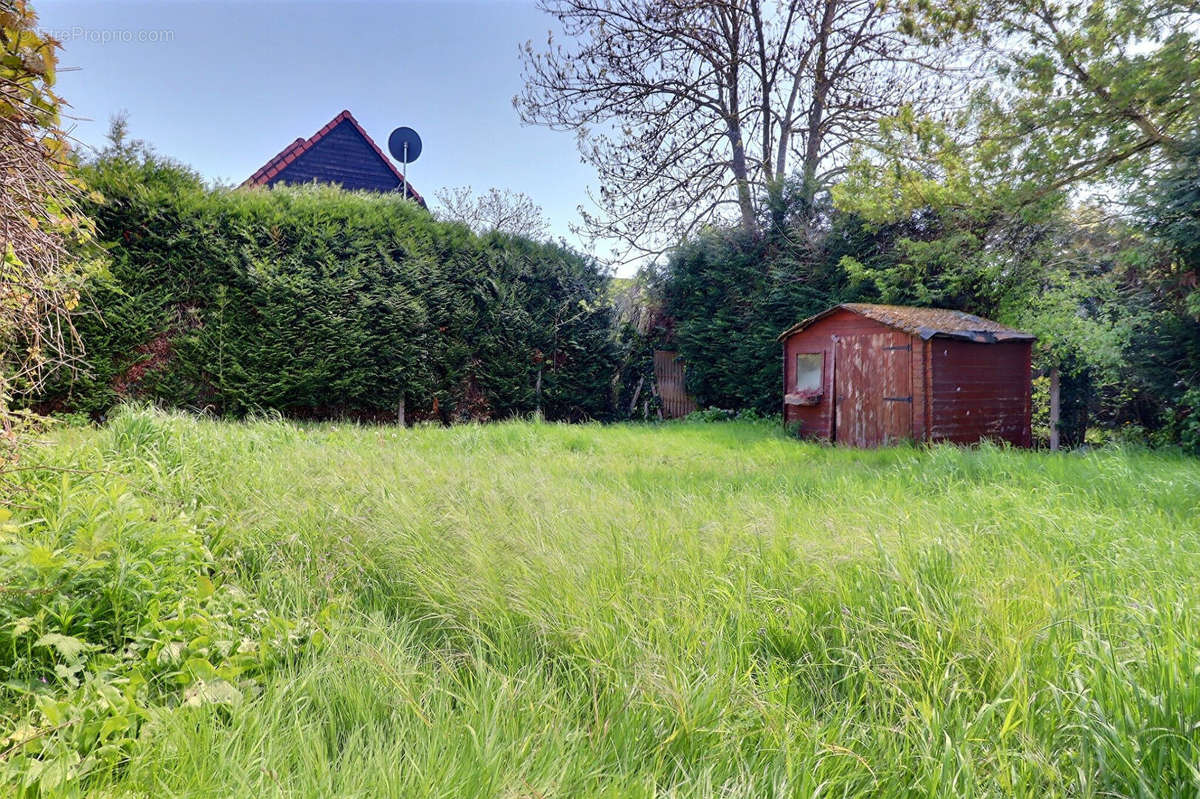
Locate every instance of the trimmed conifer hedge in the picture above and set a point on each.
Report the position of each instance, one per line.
(317, 302)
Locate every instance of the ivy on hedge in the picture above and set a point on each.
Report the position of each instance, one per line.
(313, 301)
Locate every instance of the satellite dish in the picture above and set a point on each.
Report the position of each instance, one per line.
(405, 145)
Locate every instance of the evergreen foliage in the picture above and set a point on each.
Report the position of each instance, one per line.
(728, 295)
(318, 302)
(1170, 339)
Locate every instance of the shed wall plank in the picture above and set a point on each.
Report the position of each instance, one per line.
(980, 391)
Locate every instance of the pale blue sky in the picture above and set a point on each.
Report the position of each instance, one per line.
(231, 83)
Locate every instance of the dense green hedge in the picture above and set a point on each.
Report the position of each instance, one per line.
(726, 296)
(318, 302)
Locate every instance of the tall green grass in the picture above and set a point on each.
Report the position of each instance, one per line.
(534, 610)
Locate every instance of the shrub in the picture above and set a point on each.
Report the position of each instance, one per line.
(728, 295)
(111, 609)
(318, 302)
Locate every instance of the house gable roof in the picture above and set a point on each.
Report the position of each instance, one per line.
(923, 322)
(340, 152)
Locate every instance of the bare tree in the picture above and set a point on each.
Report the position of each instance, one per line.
(689, 109)
(496, 209)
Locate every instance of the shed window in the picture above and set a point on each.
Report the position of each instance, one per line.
(809, 369)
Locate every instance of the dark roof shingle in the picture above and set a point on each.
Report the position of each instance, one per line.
(276, 165)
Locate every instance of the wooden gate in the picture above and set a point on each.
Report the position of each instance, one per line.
(873, 397)
(669, 382)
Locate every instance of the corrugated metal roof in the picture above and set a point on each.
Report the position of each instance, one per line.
(924, 322)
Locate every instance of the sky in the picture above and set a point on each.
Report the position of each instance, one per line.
(225, 85)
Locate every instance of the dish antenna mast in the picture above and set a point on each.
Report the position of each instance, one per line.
(405, 146)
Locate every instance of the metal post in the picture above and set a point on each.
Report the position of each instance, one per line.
(405, 181)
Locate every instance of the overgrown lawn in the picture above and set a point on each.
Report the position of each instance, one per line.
(536, 610)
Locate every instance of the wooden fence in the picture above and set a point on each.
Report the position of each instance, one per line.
(670, 386)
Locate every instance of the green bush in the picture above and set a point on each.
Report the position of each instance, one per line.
(318, 302)
(111, 609)
(727, 295)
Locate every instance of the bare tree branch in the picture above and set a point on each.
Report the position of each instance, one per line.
(495, 210)
(691, 109)
(42, 230)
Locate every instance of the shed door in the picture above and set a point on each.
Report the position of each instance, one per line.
(873, 389)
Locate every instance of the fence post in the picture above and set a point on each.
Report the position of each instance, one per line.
(1055, 408)
(538, 390)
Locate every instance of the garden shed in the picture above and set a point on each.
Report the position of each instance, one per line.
(867, 375)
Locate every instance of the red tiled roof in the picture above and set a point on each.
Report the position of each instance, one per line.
(923, 322)
(299, 146)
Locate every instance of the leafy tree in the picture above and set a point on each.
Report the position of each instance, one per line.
(1096, 93)
(1088, 89)
(41, 229)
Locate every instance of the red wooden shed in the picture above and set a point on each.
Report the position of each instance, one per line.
(867, 375)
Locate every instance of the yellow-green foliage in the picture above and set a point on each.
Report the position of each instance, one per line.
(543, 610)
(46, 252)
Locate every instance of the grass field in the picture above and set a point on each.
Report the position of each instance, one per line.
(535, 610)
